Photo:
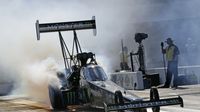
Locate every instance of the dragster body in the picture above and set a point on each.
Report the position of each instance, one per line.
(99, 88)
(94, 89)
(84, 82)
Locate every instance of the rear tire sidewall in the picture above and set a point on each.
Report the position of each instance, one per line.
(56, 98)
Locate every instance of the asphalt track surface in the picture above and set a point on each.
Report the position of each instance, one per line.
(190, 95)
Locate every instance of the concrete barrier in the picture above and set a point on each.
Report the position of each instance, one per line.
(191, 73)
(128, 80)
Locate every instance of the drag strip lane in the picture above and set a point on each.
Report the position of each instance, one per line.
(21, 104)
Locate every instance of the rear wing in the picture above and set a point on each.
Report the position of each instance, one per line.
(65, 26)
(144, 104)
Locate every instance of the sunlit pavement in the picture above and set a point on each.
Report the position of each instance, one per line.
(190, 95)
(16, 103)
(22, 103)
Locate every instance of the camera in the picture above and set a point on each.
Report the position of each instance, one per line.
(140, 36)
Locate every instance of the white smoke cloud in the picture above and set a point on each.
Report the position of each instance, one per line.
(35, 77)
(21, 53)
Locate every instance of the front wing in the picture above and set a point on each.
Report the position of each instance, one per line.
(144, 104)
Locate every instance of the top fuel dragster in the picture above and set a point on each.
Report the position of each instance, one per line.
(84, 82)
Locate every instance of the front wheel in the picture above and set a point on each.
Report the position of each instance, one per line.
(119, 99)
(154, 96)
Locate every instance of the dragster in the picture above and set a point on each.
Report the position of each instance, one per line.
(84, 82)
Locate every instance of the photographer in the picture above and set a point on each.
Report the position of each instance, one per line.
(138, 38)
(172, 53)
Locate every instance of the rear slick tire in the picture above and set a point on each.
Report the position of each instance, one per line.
(56, 98)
